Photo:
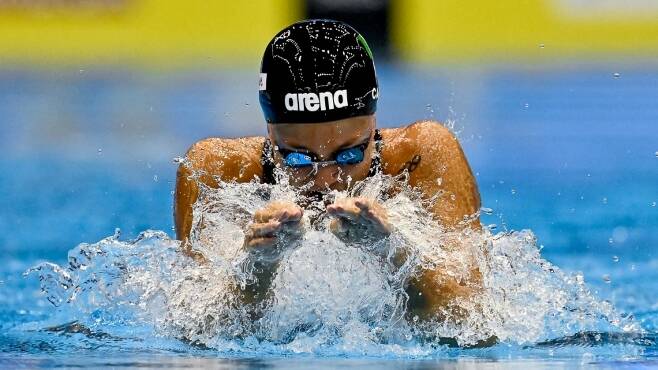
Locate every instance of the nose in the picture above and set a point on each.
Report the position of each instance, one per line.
(325, 176)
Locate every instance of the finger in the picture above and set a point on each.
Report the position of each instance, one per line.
(261, 242)
(363, 203)
(368, 212)
(291, 214)
(266, 215)
(373, 219)
(332, 208)
(375, 214)
(344, 203)
(344, 208)
(281, 211)
(262, 215)
(343, 213)
(264, 229)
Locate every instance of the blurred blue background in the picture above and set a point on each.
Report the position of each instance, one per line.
(563, 139)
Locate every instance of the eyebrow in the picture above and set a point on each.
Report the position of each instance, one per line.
(345, 145)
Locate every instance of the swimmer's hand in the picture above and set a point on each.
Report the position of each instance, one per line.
(273, 228)
(359, 220)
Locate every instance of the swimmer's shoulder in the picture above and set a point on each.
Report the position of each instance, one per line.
(428, 141)
(231, 159)
(436, 164)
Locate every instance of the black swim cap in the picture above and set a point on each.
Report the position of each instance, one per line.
(317, 71)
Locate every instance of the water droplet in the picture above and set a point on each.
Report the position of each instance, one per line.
(620, 234)
(100, 151)
(611, 241)
(615, 258)
(604, 200)
(513, 191)
(541, 46)
(415, 318)
(653, 204)
(616, 75)
(656, 153)
(526, 105)
(492, 227)
(155, 178)
(246, 105)
(486, 211)
(82, 71)
(606, 278)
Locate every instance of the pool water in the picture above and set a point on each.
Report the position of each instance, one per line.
(569, 152)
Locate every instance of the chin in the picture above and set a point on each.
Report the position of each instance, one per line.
(323, 190)
(339, 186)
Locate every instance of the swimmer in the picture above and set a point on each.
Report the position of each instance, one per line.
(318, 91)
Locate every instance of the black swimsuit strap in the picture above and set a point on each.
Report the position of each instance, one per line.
(376, 162)
(267, 160)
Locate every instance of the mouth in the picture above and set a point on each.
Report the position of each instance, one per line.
(316, 196)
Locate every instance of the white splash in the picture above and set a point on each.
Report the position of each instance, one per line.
(326, 296)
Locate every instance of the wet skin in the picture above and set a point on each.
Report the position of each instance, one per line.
(426, 149)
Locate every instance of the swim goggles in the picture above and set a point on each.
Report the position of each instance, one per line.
(351, 155)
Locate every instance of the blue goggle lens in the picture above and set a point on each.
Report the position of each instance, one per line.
(350, 156)
(298, 160)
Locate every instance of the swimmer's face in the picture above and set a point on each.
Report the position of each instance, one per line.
(323, 141)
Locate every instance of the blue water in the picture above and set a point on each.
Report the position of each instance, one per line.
(570, 152)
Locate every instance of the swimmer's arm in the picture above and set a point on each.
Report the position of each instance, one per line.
(444, 174)
(206, 162)
(444, 170)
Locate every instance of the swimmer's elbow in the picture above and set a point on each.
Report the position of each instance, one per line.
(186, 190)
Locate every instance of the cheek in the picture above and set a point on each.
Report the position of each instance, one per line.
(356, 172)
(300, 175)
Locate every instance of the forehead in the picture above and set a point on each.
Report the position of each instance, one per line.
(311, 135)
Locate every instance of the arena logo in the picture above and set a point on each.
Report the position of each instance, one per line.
(312, 101)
